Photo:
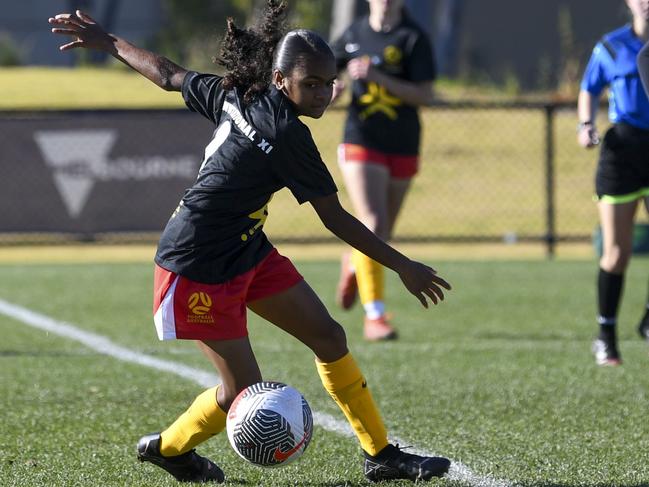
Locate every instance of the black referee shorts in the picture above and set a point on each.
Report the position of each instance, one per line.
(623, 168)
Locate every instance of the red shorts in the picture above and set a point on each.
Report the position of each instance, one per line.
(400, 167)
(187, 309)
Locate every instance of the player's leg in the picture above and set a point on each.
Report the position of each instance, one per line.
(177, 317)
(347, 288)
(367, 190)
(616, 220)
(237, 368)
(643, 325)
(368, 184)
(173, 449)
(299, 312)
(397, 191)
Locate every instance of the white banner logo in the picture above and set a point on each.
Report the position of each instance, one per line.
(79, 158)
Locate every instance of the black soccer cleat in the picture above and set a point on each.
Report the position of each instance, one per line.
(392, 463)
(188, 467)
(606, 352)
(643, 327)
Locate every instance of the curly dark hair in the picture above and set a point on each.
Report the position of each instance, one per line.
(247, 54)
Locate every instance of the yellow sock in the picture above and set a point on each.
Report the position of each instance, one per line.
(370, 277)
(202, 420)
(347, 386)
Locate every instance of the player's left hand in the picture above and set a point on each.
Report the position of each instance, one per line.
(422, 281)
(360, 68)
(88, 32)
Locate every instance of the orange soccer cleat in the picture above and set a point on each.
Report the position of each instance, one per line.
(378, 329)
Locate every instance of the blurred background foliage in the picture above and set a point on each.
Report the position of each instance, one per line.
(195, 28)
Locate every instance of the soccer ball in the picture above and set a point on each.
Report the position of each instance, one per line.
(269, 424)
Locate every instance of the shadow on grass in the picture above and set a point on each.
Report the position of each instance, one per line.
(341, 483)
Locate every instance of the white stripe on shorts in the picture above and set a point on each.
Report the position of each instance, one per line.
(164, 318)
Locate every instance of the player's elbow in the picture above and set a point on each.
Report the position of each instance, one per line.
(170, 75)
(171, 83)
(330, 212)
(425, 94)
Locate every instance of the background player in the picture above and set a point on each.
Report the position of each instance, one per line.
(213, 258)
(390, 62)
(622, 177)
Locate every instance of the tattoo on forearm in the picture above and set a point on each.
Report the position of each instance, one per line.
(167, 69)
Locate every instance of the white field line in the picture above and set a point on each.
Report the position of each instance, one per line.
(103, 345)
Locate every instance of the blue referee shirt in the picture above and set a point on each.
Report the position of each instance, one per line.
(613, 64)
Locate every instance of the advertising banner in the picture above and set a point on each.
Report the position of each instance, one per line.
(88, 172)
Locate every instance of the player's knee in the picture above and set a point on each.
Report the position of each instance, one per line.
(615, 259)
(331, 344)
(338, 337)
(377, 225)
(381, 230)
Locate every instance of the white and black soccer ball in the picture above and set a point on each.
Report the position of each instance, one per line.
(269, 424)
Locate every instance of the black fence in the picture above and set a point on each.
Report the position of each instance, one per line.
(489, 172)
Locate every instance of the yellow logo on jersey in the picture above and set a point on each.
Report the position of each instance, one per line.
(378, 99)
(392, 55)
(199, 303)
(261, 214)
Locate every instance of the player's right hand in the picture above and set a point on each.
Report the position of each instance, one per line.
(588, 137)
(87, 32)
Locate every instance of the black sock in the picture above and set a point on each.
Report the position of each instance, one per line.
(609, 290)
(645, 316)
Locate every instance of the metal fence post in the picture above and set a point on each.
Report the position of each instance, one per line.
(550, 237)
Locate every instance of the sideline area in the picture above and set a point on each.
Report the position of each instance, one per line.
(102, 253)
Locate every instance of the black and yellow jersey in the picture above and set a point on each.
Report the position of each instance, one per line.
(377, 119)
(257, 149)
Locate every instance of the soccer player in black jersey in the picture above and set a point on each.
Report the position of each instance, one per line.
(622, 178)
(214, 260)
(390, 61)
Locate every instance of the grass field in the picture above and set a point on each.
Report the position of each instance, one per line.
(499, 378)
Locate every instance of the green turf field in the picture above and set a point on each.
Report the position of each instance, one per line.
(499, 378)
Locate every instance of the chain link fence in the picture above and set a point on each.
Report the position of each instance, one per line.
(489, 172)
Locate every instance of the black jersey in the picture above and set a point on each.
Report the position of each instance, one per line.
(377, 119)
(216, 232)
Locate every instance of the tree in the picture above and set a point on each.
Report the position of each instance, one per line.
(195, 27)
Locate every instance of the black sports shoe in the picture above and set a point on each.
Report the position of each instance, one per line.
(643, 327)
(392, 463)
(606, 352)
(188, 467)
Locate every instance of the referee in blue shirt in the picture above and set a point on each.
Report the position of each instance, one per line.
(643, 66)
(622, 178)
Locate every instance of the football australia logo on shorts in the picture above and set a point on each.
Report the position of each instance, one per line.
(199, 305)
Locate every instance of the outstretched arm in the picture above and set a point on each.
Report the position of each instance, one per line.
(418, 278)
(90, 35)
(643, 66)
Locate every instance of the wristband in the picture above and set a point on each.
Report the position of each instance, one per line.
(581, 125)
